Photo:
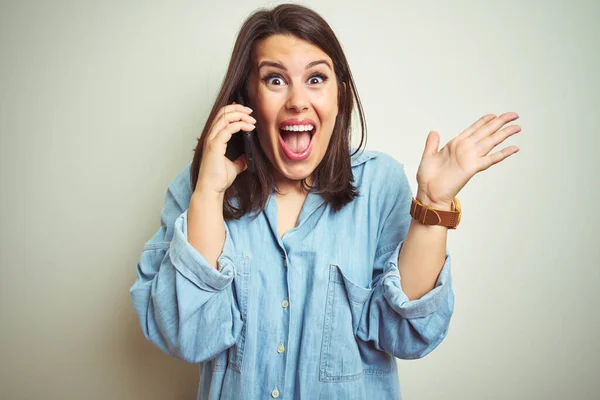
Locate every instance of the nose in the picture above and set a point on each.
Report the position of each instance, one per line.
(297, 99)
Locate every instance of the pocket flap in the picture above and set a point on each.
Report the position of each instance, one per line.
(356, 293)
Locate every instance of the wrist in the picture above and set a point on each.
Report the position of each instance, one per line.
(433, 203)
(207, 197)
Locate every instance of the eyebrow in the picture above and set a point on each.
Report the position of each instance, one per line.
(280, 66)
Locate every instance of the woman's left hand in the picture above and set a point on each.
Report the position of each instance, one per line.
(442, 174)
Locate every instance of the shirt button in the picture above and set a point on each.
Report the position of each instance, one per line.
(285, 262)
(280, 348)
(275, 393)
(285, 304)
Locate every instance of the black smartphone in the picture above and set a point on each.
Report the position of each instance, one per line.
(241, 142)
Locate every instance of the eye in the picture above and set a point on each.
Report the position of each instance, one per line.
(317, 78)
(273, 79)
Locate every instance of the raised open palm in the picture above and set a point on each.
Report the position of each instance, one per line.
(443, 173)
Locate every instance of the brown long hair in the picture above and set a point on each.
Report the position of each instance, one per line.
(332, 178)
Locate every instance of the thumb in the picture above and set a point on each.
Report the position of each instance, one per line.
(432, 144)
(240, 164)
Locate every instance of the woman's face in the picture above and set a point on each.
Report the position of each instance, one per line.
(293, 92)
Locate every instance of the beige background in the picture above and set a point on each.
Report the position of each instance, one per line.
(100, 107)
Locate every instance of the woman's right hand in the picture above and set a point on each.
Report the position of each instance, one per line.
(217, 172)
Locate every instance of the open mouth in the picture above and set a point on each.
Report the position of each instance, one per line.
(297, 141)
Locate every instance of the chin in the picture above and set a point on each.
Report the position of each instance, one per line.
(297, 171)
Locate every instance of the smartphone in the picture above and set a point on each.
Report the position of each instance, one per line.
(241, 142)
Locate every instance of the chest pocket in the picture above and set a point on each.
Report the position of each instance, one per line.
(340, 356)
(343, 356)
(233, 357)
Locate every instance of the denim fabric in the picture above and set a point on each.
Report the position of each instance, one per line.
(317, 314)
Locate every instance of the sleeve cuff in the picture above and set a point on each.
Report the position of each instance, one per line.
(191, 264)
(398, 300)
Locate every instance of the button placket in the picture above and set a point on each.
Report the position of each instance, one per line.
(284, 304)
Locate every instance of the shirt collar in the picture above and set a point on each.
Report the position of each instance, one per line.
(360, 157)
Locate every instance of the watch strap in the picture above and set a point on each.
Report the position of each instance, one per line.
(430, 216)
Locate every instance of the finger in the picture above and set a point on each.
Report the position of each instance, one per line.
(493, 125)
(225, 134)
(228, 110)
(496, 157)
(488, 143)
(228, 119)
(431, 144)
(477, 124)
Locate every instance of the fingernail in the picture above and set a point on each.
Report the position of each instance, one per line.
(253, 120)
(248, 109)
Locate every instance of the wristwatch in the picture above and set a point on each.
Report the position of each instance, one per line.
(430, 216)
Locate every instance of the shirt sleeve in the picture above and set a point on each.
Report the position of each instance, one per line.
(407, 329)
(185, 306)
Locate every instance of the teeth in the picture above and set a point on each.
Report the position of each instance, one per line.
(298, 128)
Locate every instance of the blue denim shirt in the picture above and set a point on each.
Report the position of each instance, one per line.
(317, 314)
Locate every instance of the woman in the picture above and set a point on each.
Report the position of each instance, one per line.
(305, 278)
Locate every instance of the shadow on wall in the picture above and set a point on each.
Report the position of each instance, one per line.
(148, 373)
